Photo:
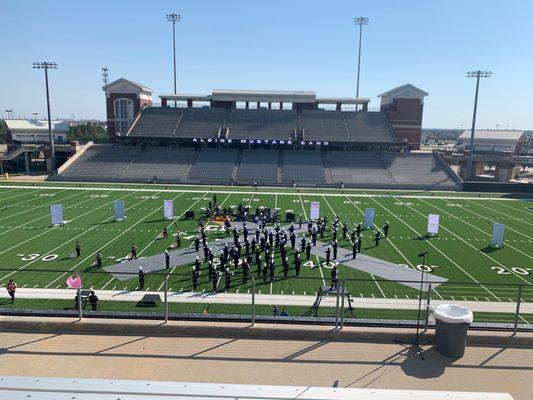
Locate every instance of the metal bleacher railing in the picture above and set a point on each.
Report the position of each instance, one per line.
(168, 295)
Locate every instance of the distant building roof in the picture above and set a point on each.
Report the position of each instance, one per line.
(494, 135)
(288, 96)
(411, 89)
(35, 125)
(120, 80)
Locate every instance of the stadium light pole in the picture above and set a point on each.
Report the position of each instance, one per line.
(105, 75)
(360, 21)
(478, 75)
(46, 66)
(174, 18)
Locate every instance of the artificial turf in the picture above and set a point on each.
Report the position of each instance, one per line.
(33, 252)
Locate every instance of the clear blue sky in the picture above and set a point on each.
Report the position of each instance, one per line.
(276, 44)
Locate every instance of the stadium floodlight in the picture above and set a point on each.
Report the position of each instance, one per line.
(46, 66)
(105, 75)
(478, 75)
(9, 112)
(360, 21)
(174, 18)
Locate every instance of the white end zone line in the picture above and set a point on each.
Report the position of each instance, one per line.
(412, 196)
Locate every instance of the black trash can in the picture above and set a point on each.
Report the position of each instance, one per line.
(451, 328)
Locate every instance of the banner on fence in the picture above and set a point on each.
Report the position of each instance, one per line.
(56, 214)
(168, 206)
(369, 217)
(315, 210)
(497, 234)
(118, 206)
(433, 224)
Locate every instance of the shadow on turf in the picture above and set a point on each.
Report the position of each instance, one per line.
(489, 249)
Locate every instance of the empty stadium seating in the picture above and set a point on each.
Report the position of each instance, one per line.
(200, 122)
(303, 166)
(388, 169)
(156, 122)
(417, 169)
(262, 124)
(213, 164)
(324, 125)
(169, 164)
(368, 126)
(258, 165)
(125, 163)
(165, 163)
(166, 122)
(357, 167)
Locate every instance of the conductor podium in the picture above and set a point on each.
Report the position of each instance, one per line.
(325, 291)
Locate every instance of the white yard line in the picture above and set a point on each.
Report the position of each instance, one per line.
(508, 216)
(472, 246)
(55, 201)
(437, 249)
(372, 276)
(475, 227)
(528, 213)
(24, 193)
(41, 217)
(153, 240)
(54, 228)
(393, 245)
(181, 215)
(90, 256)
(310, 193)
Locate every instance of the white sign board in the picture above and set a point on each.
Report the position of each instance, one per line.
(369, 217)
(56, 214)
(433, 224)
(168, 207)
(118, 206)
(497, 234)
(315, 210)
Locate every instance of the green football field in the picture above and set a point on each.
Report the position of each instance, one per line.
(36, 255)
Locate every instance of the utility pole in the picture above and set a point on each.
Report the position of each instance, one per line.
(474, 74)
(174, 18)
(46, 66)
(360, 21)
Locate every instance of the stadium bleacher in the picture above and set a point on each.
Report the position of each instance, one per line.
(166, 122)
(262, 124)
(258, 165)
(327, 168)
(119, 163)
(162, 162)
(156, 122)
(303, 166)
(213, 164)
(200, 122)
(358, 167)
(324, 125)
(418, 168)
(368, 126)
